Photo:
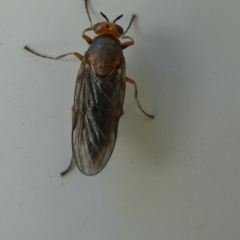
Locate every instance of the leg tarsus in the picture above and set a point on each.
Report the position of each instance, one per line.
(70, 167)
(129, 80)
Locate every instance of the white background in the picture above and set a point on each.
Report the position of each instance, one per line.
(173, 178)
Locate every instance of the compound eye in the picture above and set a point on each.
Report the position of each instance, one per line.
(95, 26)
(119, 29)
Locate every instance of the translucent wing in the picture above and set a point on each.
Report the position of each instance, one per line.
(98, 104)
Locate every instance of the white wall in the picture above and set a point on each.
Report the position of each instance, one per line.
(174, 177)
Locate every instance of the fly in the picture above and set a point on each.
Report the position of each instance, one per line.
(99, 95)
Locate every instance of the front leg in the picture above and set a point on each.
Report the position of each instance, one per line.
(87, 38)
(128, 43)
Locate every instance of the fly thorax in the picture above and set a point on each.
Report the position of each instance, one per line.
(105, 53)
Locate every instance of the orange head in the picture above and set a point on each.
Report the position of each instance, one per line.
(108, 27)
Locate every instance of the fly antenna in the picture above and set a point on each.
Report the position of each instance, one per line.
(118, 18)
(104, 16)
(133, 16)
(86, 6)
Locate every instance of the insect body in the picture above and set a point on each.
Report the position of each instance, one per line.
(99, 96)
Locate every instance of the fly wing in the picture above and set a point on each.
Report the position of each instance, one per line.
(98, 104)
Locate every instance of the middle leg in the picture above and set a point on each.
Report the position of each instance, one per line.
(129, 80)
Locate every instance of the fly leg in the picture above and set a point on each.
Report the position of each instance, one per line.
(128, 43)
(85, 37)
(129, 80)
(72, 162)
(78, 55)
(122, 112)
(70, 167)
